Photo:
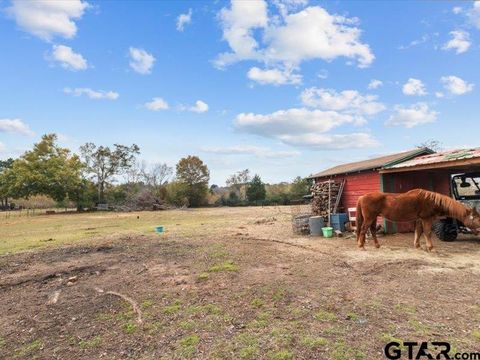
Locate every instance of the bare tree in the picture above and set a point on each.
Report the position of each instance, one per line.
(431, 144)
(157, 175)
(136, 172)
(239, 181)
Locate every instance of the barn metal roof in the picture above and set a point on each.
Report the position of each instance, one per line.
(437, 158)
(370, 164)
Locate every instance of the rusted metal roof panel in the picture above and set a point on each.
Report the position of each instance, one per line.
(438, 158)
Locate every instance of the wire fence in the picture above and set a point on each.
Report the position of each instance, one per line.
(7, 214)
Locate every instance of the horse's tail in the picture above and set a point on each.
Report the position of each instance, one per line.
(359, 217)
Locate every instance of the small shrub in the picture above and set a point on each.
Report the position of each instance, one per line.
(323, 315)
(203, 276)
(313, 342)
(189, 344)
(172, 309)
(130, 327)
(92, 343)
(280, 355)
(257, 303)
(228, 265)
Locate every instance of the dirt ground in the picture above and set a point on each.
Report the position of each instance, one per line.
(247, 290)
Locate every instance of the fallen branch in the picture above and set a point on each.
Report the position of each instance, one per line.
(132, 302)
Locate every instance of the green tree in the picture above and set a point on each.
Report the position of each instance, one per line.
(176, 193)
(256, 189)
(5, 181)
(300, 187)
(192, 172)
(47, 169)
(103, 163)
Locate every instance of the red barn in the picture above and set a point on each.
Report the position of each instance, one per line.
(431, 172)
(364, 176)
(420, 168)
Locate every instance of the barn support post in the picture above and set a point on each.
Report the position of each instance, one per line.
(387, 185)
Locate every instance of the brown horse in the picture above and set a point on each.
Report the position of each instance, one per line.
(417, 205)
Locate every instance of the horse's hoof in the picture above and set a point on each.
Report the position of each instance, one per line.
(361, 247)
(429, 248)
(377, 246)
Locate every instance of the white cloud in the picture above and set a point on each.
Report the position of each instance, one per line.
(439, 94)
(291, 121)
(184, 19)
(473, 14)
(273, 76)
(414, 87)
(15, 126)
(332, 141)
(47, 19)
(457, 10)
(156, 104)
(323, 36)
(460, 41)
(375, 84)
(238, 23)
(2, 147)
(305, 128)
(199, 107)
(141, 61)
(322, 74)
(455, 85)
(348, 101)
(67, 58)
(250, 150)
(414, 115)
(92, 94)
(422, 40)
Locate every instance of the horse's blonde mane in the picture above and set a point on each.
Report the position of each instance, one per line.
(451, 207)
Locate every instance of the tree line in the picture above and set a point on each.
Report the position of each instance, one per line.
(114, 176)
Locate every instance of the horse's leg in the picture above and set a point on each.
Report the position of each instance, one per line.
(373, 230)
(418, 233)
(363, 232)
(427, 231)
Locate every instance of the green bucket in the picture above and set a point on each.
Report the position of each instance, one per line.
(327, 232)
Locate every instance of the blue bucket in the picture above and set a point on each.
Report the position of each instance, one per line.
(159, 229)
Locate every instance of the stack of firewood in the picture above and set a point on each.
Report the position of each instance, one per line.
(320, 197)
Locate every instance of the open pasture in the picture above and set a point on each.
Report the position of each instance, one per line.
(226, 283)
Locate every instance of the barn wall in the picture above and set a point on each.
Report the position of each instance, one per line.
(356, 185)
(359, 184)
(435, 180)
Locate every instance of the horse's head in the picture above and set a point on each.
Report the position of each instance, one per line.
(472, 220)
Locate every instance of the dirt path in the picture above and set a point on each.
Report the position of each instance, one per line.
(249, 291)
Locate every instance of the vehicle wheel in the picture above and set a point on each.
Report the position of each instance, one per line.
(445, 231)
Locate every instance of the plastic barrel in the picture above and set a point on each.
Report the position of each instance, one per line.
(327, 232)
(316, 225)
(159, 229)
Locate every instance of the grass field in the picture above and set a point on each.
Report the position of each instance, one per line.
(21, 233)
(224, 283)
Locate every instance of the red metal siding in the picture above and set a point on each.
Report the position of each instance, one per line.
(356, 185)
(438, 181)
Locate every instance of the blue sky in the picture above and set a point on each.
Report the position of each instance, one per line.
(284, 88)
